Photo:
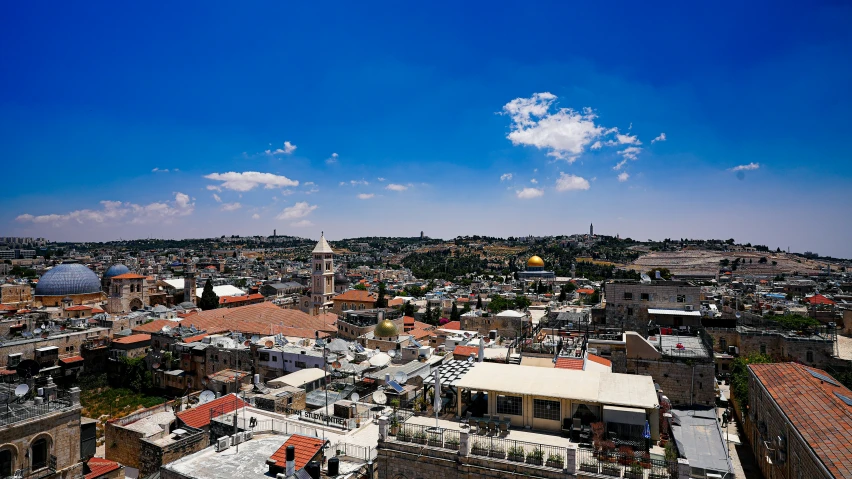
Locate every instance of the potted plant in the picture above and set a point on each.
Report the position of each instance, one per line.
(611, 469)
(589, 466)
(645, 460)
(419, 437)
(635, 471)
(394, 425)
(479, 448)
(403, 435)
(555, 461)
(452, 443)
(606, 448)
(516, 453)
(626, 455)
(497, 452)
(434, 439)
(536, 456)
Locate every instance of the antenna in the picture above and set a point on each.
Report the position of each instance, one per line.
(392, 353)
(379, 397)
(206, 396)
(354, 397)
(166, 330)
(400, 377)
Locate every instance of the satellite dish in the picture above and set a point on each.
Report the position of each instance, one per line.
(336, 365)
(206, 396)
(470, 359)
(355, 397)
(268, 344)
(320, 343)
(166, 330)
(156, 366)
(27, 368)
(22, 390)
(247, 343)
(392, 353)
(37, 331)
(400, 377)
(380, 398)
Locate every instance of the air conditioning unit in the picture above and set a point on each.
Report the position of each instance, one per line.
(687, 307)
(238, 438)
(247, 435)
(223, 443)
(733, 350)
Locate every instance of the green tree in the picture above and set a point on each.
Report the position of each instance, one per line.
(408, 309)
(478, 302)
(381, 301)
(563, 295)
(739, 376)
(360, 286)
(209, 300)
(664, 273)
(522, 302)
(427, 316)
(454, 313)
(466, 307)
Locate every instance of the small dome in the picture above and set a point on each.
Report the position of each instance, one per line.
(116, 270)
(68, 279)
(385, 329)
(535, 261)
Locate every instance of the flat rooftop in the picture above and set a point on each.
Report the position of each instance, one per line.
(699, 438)
(680, 346)
(15, 411)
(249, 463)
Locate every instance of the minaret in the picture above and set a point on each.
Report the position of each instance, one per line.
(189, 282)
(322, 277)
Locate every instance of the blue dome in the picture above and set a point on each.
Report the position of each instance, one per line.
(116, 270)
(66, 279)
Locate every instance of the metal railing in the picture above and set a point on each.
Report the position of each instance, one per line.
(433, 436)
(633, 465)
(29, 473)
(356, 451)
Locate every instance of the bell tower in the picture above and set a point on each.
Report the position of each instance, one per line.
(322, 277)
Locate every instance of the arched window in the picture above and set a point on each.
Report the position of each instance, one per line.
(7, 463)
(38, 454)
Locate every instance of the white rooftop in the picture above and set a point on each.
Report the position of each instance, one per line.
(298, 378)
(587, 386)
(674, 312)
(322, 246)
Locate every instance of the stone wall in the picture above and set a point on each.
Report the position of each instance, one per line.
(153, 456)
(124, 445)
(776, 345)
(69, 344)
(61, 429)
(683, 383)
(631, 312)
(506, 327)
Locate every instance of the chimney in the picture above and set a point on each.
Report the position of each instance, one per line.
(313, 469)
(291, 461)
(333, 466)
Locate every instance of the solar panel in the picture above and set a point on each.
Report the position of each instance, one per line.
(846, 399)
(823, 377)
(359, 348)
(415, 343)
(396, 387)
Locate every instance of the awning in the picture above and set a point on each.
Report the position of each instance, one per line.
(624, 415)
(47, 349)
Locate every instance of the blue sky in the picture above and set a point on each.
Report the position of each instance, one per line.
(426, 109)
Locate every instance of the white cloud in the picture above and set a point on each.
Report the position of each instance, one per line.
(623, 176)
(287, 192)
(231, 206)
(565, 132)
(534, 181)
(596, 145)
(380, 179)
(115, 211)
(299, 210)
(365, 196)
(662, 137)
(214, 188)
(528, 193)
(748, 167)
(288, 149)
(158, 170)
(567, 182)
(620, 165)
(302, 224)
(505, 177)
(396, 187)
(217, 198)
(248, 180)
(630, 153)
(627, 139)
(358, 182)
(255, 216)
(332, 160)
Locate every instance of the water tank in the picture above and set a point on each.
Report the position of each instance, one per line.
(333, 466)
(492, 335)
(313, 469)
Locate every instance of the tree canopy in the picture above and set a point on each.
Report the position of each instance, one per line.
(209, 299)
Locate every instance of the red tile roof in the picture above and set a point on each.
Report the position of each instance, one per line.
(597, 359)
(99, 466)
(97, 311)
(239, 299)
(72, 359)
(200, 415)
(356, 295)
(408, 321)
(585, 291)
(419, 333)
(6, 307)
(154, 326)
(818, 299)
(133, 339)
(305, 448)
(466, 351)
(129, 276)
(454, 325)
(569, 363)
(78, 308)
(195, 339)
(812, 406)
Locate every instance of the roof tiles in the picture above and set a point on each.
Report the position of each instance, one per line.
(305, 448)
(199, 416)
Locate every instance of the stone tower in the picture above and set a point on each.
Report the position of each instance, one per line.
(189, 282)
(127, 292)
(591, 229)
(322, 277)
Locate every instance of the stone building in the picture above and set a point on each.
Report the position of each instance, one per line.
(816, 348)
(353, 300)
(322, 280)
(42, 437)
(127, 292)
(629, 303)
(799, 422)
(353, 324)
(69, 281)
(18, 295)
(509, 324)
(48, 350)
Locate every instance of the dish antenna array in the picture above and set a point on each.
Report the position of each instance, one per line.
(206, 396)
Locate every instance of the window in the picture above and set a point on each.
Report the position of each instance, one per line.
(301, 364)
(274, 359)
(264, 356)
(645, 297)
(810, 356)
(544, 409)
(509, 405)
(630, 311)
(681, 298)
(6, 463)
(628, 295)
(762, 349)
(38, 454)
(328, 266)
(723, 343)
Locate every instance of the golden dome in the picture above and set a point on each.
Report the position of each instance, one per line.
(535, 261)
(385, 329)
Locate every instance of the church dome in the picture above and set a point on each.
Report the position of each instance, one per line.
(116, 270)
(385, 329)
(535, 262)
(68, 279)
